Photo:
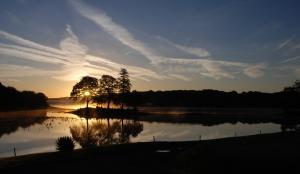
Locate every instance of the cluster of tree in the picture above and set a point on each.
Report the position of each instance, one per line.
(13, 99)
(107, 89)
(288, 98)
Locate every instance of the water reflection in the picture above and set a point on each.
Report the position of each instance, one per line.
(11, 121)
(99, 132)
(34, 132)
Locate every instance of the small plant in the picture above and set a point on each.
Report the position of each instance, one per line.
(64, 144)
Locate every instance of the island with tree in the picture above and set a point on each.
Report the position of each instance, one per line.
(104, 92)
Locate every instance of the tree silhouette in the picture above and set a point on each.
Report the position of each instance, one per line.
(124, 85)
(294, 88)
(12, 99)
(99, 133)
(107, 88)
(86, 88)
(134, 99)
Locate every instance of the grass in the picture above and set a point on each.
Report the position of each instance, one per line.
(257, 153)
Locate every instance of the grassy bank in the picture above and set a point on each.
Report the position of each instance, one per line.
(270, 152)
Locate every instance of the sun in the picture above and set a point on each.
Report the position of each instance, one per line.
(87, 93)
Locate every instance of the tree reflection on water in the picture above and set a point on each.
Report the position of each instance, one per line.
(11, 121)
(99, 133)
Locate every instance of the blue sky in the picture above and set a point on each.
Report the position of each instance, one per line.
(193, 44)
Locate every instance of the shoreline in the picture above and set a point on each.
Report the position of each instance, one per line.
(204, 116)
(261, 151)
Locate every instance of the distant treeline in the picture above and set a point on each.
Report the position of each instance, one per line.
(214, 98)
(12, 99)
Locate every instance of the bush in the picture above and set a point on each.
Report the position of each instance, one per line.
(64, 144)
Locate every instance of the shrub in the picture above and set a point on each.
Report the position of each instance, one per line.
(64, 144)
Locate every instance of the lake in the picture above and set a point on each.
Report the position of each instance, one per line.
(34, 134)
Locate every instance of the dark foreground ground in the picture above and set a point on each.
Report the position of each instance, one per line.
(278, 152)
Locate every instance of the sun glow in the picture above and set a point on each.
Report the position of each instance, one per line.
(87, 93)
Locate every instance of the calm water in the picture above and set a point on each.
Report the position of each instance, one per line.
(39, 134)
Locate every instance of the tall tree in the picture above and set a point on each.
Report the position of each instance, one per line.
(86, 89)
(124, 85)
(107, 88)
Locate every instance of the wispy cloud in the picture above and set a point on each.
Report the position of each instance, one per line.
(284, 43)
(290, 43)
(71, 46)
(291, 59)
(13, 71)
(27, 43)
(255, 71)
(72, 59)
(208, 68)
(107, 24)
(178, 76)
(205, 66)
(31, 54)
(200, 52)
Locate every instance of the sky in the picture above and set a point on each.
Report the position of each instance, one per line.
(241, 45)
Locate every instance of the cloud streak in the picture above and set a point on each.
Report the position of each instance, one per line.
(14, 71)
(117, 31)
(291, 59)
(28, 43)
(205, 66)
(72, 59)
(208, 68)
(284, 43)
(255, 71)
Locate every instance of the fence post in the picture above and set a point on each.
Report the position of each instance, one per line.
(15, 154)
